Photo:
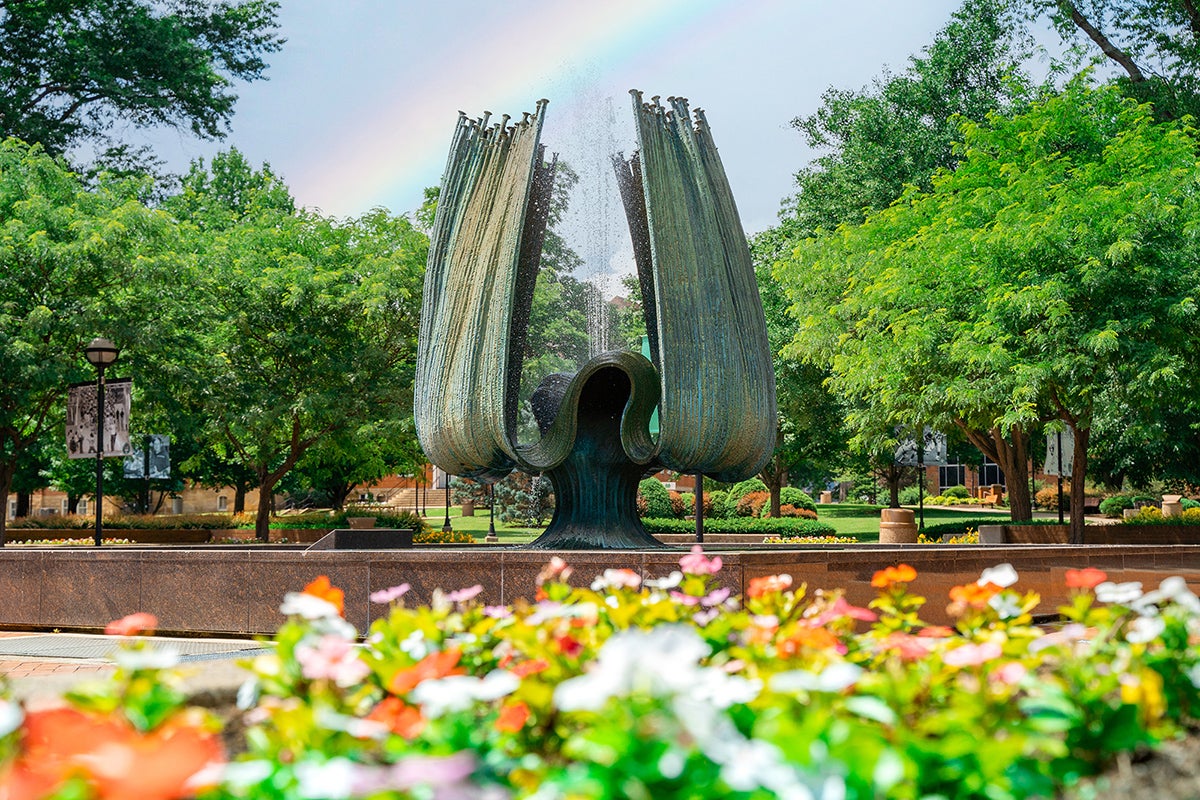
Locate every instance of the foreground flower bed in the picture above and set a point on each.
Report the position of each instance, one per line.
(667, 688)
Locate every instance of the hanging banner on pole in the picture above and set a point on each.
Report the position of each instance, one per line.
(932, 452)
(1068, 452)
(157, 455)
(81, 419)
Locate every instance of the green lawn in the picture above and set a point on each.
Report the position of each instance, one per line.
(859, 521)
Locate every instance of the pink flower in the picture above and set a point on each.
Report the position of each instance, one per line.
(702, 618)
(685, 599)
(463, 595)
(972, 655)
(617, 579)
(390, 594)
(1010, 674)
(695, 562)
(907, 646)
(556, 570)
(497, 612)
(842, 608)
(716, 597)
(333, 658)
(132, 625)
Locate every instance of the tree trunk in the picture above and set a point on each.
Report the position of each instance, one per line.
(262, 520)
(7, 468)
(774, 475)
(1078, 474)
(239, 498)
(1012, 454)
(72, 503)
(24, 501)
(339, 493)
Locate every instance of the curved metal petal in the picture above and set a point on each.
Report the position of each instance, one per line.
(717, 411)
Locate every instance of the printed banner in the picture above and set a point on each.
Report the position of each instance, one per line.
(932, 453)
(1068, 452)
(157, 454)
(81, 419)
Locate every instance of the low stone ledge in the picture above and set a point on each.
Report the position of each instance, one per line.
(1120, 534)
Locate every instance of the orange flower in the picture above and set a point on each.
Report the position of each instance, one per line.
(1087, 578)
(569, 646)
(323, 589)
(432, 666)
(119, 762)
(132, 625)
(768, 584)
(888, 577)
(811, 638)
(935, 632)
(974, 595)
(400, 717)
(513, 717)
(526, 668)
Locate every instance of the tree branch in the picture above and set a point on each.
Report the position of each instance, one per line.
(1193, 14)
(1106, 46)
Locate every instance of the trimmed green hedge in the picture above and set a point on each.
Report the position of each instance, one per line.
(139, 522)
(787, 526)
(960, 526)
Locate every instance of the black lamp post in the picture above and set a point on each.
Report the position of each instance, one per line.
(446, 525)
(101, 354)
(491, 534)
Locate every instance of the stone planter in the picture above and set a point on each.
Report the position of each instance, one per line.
(358, 523)
(897, 526)
(468, 508)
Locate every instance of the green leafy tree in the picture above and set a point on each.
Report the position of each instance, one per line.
(1054, 262)
(310, 323)
(70, 70)
(74, 263)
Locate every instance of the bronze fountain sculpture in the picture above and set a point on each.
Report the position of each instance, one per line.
(710, 372)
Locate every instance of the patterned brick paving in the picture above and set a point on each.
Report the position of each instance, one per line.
(31, 667)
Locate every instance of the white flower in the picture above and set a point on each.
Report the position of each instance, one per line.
(11, 717)
(247, 694)
(307, 606)
(244, 774)
(328, 780)
(1006, 605)
(1144, 629)
(1002, 575)
(835, 678)
(1194, 675)
(723, 690)
(660, 661)
(460, 692)
(669, 582)
(147, 658)
(1119, 593)
(415, 645)
(1176, 590)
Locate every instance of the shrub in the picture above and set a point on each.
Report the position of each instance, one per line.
(144, 522)
(1047, 497)
(909, 495)
(1191, 516)
(742, 489)
(959, 527)
(435, 536)
(787, 526)
(797, 497)
(655, 497)
(679, 508)
(402, 519)
(1189, 503)
(525, 499)
(751, 504)
(791, 511)
(1115, 505)
(714, 504)
(956, 491)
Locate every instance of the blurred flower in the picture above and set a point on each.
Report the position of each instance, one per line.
(1175, 589)
(696, 563)
(1086, 578)
(399, 717)
(513, 717)
(532, 667)
(459, 692)
(1010, 674)
(888, 577)
(11, 716)
(384, 596)
(1006, 604)
(1144, 629)
(617, 579)
(435, 665)
(907, 646)
(768, 584)
(147, 658)
(556, 570)
(837, 677)
(973, 594)
(1118, 593)
(497, 612)
(132, 625)
(972, 655)
(323, 589)
(120, 762)
(334, 659)
(463, 595)
(936, 631)
(669, 582)
(307, 606)
(1002, 575)
(841, 608)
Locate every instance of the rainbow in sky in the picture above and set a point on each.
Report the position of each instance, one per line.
(569, 52)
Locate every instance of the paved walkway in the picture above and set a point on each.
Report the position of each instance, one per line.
(41, 666)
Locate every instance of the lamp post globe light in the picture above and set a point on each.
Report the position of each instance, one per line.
(101, 354)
